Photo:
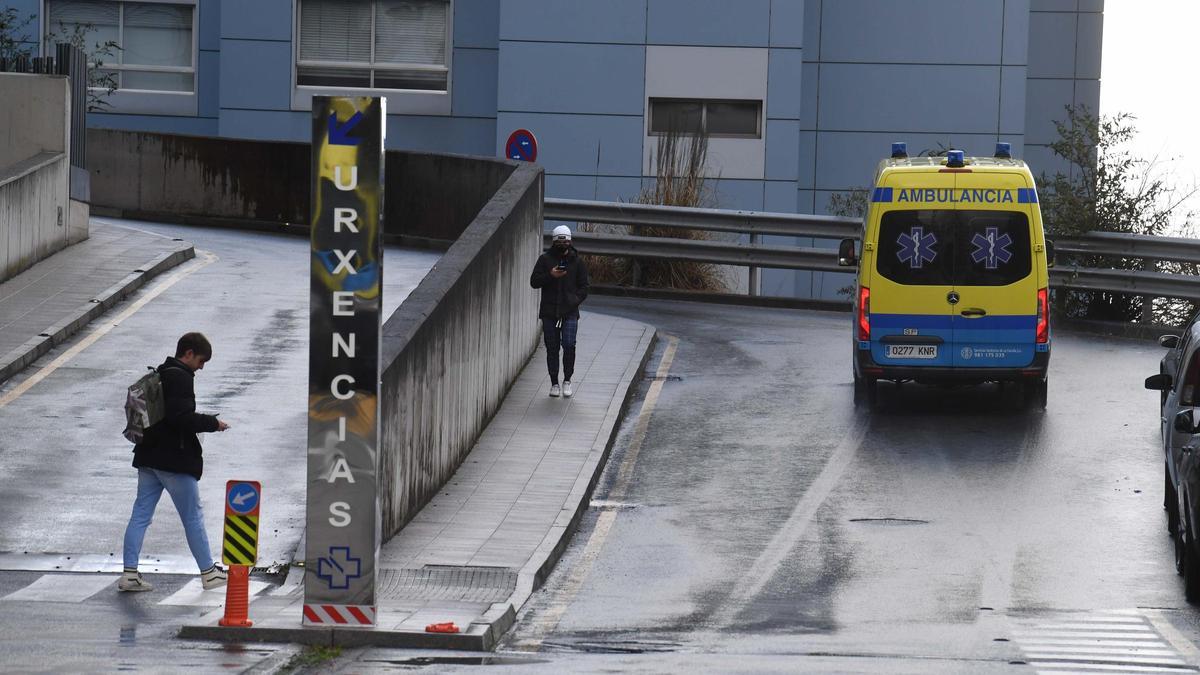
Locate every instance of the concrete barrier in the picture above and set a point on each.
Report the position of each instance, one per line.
(265, 184)
(34, 170)
(456, 345)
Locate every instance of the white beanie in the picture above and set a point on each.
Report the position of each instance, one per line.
(562, 233)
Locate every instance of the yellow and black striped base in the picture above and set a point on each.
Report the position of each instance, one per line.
(241, 540)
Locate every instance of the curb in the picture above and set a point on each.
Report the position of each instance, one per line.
(21, 357)
(482, 635)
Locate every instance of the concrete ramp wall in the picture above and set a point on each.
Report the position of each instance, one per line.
(34, 170)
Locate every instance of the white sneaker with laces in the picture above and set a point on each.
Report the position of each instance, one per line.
(555, 390)
(567, 389)
(132, 581)
(213, 577)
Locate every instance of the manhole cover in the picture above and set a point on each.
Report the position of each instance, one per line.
(464, 584)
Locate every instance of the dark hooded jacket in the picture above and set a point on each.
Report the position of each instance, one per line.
(560, 297)
(171, 445)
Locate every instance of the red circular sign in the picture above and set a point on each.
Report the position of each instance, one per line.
(522, 146)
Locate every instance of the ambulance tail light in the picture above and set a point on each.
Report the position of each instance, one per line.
(1043, 316)
(864, 314)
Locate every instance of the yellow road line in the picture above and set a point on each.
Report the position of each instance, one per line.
(100, 331)
(547, 623)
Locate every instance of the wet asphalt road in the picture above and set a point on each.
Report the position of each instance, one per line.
(771, 526)
(65, 469)
(766, 525)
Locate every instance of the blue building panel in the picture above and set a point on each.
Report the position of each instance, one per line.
(709, 23)
(1052, 44)
(1016, 32)
(258, 20)
(780, 196)
(783, 145)
(256, 75)
(431, 133)
(208, 82)
(476, 24)
(787, 23)
(602, 188)
(583, 78)
(917, 31)
(208, 24)
(157, 124)
(848, 160)
(267, 125)
(605, 145)
(806, 155)
(785, 69)
(1012, 99)
(612, 21)
(809, 81)
(895, 98)
(731, 193)
(474, 82)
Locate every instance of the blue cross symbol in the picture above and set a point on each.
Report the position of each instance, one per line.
(990, 249)
(916, 248)
(339, 568)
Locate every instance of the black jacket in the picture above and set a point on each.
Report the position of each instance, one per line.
(171, 445)
(560, 297)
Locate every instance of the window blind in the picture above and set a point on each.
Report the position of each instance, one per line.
(411, 31)
(335, 30)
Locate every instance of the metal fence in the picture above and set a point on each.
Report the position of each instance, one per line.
(1067, 273)
(70, 61)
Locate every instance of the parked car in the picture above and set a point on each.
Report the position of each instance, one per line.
(1179, 382)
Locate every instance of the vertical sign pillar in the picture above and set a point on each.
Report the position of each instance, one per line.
(342, 545)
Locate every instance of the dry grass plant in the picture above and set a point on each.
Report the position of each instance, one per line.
(680, 162)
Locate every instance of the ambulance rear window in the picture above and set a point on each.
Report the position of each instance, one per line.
(952, 247)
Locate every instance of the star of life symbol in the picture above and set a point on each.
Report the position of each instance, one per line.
(339, 568)
(916, 248)
(991, 248)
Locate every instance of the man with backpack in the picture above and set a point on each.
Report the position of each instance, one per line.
(168, 457)
(563, 278)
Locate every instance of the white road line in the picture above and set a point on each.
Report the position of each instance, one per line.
(1164, 650)
(1060, 668)
(1093, 643)
(753, 580)
(1172, 635)
(544, 625)
(1128, 626)
(62, 588)
(107, 324)
(1100, 658)
(1148, 635)
(193, 595)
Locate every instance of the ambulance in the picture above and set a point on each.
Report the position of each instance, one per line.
(952, 285)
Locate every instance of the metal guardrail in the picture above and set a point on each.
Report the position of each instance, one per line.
(1144, 283)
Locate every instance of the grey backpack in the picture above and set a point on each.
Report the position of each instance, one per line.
(143, 406)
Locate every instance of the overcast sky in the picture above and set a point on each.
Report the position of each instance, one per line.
(1151, 53)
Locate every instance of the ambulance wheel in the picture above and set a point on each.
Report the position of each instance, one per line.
(1036, 394)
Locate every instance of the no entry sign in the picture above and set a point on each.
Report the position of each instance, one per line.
(521, 145)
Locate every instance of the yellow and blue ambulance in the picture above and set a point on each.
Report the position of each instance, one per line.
(952, 275)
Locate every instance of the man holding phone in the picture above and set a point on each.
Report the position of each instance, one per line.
(563, 279)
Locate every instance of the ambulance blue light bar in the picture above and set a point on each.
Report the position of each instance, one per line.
(955, 159)
(899, 150)
(1003, 151)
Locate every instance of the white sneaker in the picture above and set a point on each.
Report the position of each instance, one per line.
(133, 582)
(213, 577)
(567, 389)
(555, 390)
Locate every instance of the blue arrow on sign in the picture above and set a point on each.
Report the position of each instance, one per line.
(339, 134)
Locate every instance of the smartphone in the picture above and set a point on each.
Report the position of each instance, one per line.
(562, 265)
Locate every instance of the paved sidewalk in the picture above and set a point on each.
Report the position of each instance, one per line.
(49, 302)
(480, 548)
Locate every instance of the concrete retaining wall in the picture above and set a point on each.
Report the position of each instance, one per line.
(456, 345)
(34, 170)
(265, 184)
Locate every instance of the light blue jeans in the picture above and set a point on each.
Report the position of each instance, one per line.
(185, 492)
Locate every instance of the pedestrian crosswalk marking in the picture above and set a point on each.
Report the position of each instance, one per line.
(241, 540)
(193, 594)
(1099, 643)
(62, 588)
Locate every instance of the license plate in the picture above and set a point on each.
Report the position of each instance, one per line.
(911, 351)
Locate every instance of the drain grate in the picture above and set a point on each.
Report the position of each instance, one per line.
(464, 584)
(890, 521)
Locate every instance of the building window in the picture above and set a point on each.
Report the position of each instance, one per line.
(154, 41)
(374, 44)
(717, 118)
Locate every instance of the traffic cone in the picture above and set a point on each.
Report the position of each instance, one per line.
(237, 597)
